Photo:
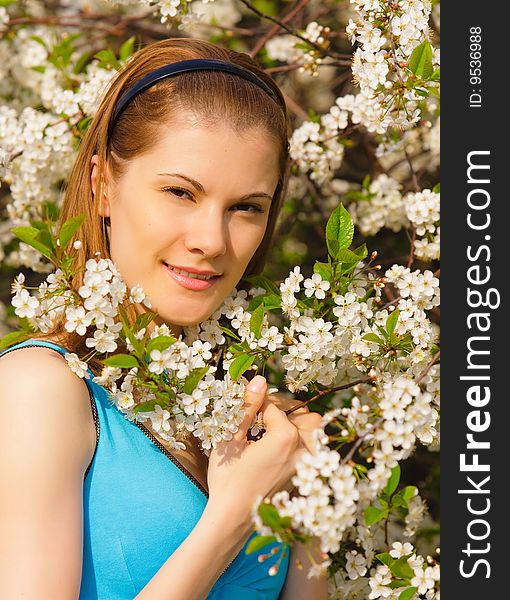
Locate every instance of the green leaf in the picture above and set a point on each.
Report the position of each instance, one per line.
(107, 58)
(28, 235)
(401, 569)
(286, 522)
(143, 320)
(68, 229)
(255, 303)
(15, 337)
(408, 593)
(409, 492)
(358, 196)
(83, 124)
(270, 516)
(126, 50)
(81, 63)
(50, 210)
(138, 345)
(398, 583)
(39, 40)
(437, 188)
(268, 7)
(230, 333)
(259, 542)
(339, 230)
(272, 301)
(39, 69)
(161, 342)
(402, 497)
(313, 116)
(240, 364)
(45, 237)
(393, 481)
(40, 225)
(193, 379)
(256, 320)
(303, 46)
(436, 75)
(148, 406)
(123, 361)
(383, 332)
(385, 558)
(237, 348)
(374, 515)
(371, 337)
(263, 282)
(361, 251)
(420, 62)
(347, 257)
(391, 321)
(323, 269)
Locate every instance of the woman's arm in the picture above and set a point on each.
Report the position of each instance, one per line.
(46, 443)
(193, 569)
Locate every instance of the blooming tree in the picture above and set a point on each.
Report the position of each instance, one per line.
(327, 322)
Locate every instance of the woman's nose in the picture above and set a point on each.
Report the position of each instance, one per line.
(207, 234)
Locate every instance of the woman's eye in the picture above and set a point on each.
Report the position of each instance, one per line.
(248, 208)
(177, 192)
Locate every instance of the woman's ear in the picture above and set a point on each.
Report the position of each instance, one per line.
(103, 203)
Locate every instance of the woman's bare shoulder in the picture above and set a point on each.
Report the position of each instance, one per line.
(40, 393)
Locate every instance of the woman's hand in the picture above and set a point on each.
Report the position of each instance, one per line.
(304, 420)
(240, 471)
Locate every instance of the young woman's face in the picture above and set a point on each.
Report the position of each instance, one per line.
(182, 210)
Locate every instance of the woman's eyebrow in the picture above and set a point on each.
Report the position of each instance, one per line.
(198, 186)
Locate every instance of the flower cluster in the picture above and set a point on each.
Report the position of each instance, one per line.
(381, 204)
(315, 145)
(285, 48)
(392, 38)
(420, 578)
(422, 210)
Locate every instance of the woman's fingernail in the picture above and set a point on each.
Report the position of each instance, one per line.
(257, 384)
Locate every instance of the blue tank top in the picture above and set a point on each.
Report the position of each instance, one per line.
(140, 504)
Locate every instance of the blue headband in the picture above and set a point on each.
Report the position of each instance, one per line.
(183, 66)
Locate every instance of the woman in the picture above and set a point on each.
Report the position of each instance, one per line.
(181, 174)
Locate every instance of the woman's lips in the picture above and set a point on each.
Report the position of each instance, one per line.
(191, 283)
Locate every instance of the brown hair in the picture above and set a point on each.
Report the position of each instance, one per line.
(212, 96)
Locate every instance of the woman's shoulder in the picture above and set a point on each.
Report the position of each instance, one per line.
(25, 363)
(39, 392)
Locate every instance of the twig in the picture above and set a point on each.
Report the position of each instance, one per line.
(282, 25)
(324, 392)
(359, 441)
(274, 30)
(434, 360)
(411, 251)
(413, 172)
(294, 107)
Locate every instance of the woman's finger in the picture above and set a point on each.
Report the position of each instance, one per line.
(306, 423)
(254, 396)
